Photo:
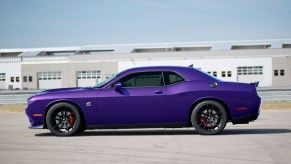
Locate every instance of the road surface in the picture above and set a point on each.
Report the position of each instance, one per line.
(268, 140)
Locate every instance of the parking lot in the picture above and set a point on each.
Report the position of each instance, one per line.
(267, 140)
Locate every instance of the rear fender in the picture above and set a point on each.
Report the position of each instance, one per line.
(196, 102)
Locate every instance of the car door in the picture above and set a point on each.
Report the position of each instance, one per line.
(140, 100)
(179, 99)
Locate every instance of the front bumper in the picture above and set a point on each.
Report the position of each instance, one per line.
(36, 127)
(36, 122)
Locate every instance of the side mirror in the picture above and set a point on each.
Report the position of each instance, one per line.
(117, 86)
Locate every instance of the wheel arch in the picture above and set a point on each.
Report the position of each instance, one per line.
(206, 99)
(63, 101)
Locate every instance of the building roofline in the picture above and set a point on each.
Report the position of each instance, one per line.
(150, 45)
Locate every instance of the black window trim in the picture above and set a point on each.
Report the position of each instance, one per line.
(111, 84)
(176, 82)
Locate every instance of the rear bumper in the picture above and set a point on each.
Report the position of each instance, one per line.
(246, 119)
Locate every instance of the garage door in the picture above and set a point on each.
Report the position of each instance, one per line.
(87, 78)
(49, 80)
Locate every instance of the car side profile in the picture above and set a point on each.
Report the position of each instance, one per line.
(146, 97)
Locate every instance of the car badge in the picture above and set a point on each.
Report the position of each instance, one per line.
(88, 103)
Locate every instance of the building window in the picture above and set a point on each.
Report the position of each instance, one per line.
(250, 70)
(88, 74)
(215, 73)
(282, 73)
(2, 77)
(11, 79)
(17, 79)
(24, 78)
(223, 74)
(209, 72)
(30, 78)
(48, 76)
(228, 73)
(276, 73)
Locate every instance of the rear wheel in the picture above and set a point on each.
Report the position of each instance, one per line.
(209, 117)
(63, 119)
(81, 129)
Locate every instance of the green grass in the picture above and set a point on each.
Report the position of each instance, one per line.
(276, 105)
(12, 108)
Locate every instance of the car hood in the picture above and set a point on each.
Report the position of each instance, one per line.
(64, 93)
(64, 89)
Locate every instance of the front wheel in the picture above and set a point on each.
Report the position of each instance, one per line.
(209, 117)
(63, 119)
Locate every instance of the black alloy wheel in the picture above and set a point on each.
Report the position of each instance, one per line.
(209, 117)
(63, 119)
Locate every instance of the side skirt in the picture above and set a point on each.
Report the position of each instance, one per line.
(135, 126)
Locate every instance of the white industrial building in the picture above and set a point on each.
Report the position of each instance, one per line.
(267, 61)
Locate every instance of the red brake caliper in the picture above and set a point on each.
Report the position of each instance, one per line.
(71, 121)
(202, 121)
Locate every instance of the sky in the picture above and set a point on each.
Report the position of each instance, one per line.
(59, 23)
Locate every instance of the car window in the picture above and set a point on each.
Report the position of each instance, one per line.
(143, 79)
(172, 78)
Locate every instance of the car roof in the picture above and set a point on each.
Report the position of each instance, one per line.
(188, 73)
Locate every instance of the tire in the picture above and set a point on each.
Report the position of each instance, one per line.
(63, 119)
(209, 117)
(81, 129)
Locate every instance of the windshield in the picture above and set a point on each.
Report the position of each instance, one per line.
(102, 83)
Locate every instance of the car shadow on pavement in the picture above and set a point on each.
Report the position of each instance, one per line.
(254, 131)
(129, 132)
(170, 132)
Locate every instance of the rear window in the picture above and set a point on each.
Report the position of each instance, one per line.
(172, 78)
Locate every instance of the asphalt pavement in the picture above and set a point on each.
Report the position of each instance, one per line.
(268, 140)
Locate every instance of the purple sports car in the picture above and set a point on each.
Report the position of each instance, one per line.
(147, 97)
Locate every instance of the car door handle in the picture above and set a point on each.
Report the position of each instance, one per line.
(158, 92)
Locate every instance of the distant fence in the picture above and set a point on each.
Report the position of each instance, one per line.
(16, 96)
(13, 99)
(275, 95)
(21, 96)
